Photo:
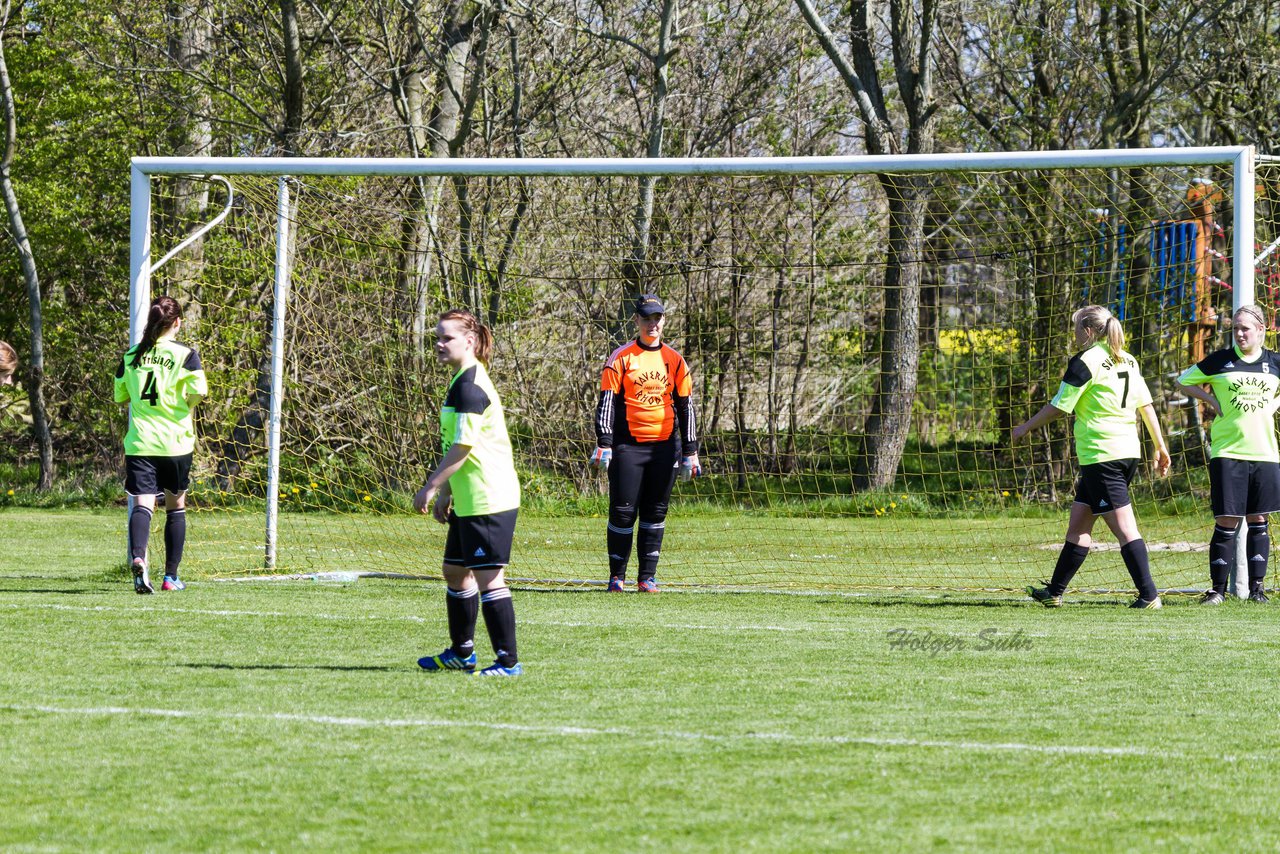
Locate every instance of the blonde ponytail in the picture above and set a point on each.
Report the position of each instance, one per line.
(1101, 325)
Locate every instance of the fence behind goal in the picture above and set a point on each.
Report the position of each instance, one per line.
(787, 298)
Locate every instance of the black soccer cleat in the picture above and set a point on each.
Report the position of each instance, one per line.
(1044, 597)
(1212, 597)
(1147, 604)
(1258, 596)
(141, 580)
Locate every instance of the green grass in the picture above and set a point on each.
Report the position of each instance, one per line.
(291, 716)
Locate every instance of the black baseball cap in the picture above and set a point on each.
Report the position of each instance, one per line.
(649, 304)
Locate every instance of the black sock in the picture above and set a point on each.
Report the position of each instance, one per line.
(1138, 563)
(500, 620)
(1258, 543)
(175, 537)
(1220, 550)
(139, 531)
(462, 606)
(649, 544)
(619, 541)
(1069, 561)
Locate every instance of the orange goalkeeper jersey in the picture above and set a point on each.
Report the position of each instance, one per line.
(645, 392)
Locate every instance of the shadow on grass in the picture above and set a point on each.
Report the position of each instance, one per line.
(67, 591)
(337, 668)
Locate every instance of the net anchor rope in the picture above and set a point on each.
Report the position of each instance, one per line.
(204, 229)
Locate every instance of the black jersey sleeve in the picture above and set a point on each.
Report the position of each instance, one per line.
(605, 413)
(688, 429)
(1077, 373)
(465, 396)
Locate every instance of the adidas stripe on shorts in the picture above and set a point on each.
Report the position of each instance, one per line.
(480, 542)
(1243, 487)
(1105, 486)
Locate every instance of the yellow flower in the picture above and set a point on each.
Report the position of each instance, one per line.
(904, 498)
(1005, 493)
(10, 492)
(295, 490)
(368, 498)
(893, 505)
(314, 484)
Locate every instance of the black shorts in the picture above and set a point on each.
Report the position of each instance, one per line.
(480, 542)
(1105, 486)
(150, 475)
(1243, 487)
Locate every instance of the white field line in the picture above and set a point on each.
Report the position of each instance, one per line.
(592, 732)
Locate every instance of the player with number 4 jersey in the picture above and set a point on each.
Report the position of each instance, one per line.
(162, 381)
(1104, 388)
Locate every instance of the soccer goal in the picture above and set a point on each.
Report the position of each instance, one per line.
(863, 332)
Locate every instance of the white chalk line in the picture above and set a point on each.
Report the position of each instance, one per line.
(593, 732)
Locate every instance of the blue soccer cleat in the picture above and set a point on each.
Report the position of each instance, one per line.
(171, 582)
(647, 585)
(497, 669)
(617, 584)
(448, 660)
(141, 580)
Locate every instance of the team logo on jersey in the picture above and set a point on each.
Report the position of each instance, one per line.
(651, 387)
(1250, 394)
(480, 552)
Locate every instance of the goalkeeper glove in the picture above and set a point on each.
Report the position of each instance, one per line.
(601, 457)
(690, 467)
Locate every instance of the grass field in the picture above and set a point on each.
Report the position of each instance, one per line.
(290, 716)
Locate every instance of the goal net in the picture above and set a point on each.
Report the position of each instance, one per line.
(862, 333)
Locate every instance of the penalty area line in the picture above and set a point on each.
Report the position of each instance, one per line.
(610, 732)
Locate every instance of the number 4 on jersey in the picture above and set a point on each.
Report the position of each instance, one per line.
(149, 392)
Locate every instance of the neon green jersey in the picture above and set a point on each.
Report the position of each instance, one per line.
(1246, 392)
(1104, 392)
(472, 415)
(157, 390)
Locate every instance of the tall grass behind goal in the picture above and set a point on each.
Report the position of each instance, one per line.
(784, 292)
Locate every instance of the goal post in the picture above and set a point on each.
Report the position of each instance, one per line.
(760, 320)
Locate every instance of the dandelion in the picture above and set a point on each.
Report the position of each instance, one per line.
(9, 493)
(904, 498)
(368, 498)
(893, 505)
(295, 490)
(1005, 493)
(314, 484)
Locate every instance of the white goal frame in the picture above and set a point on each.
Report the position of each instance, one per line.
(1241, 159)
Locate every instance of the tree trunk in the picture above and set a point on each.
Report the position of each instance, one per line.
(190, 35)
(635, 270)
(889, 422)
(26, 259)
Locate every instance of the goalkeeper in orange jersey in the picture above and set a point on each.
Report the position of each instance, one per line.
(644, 431)
(162, 381)
(1105, 389)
